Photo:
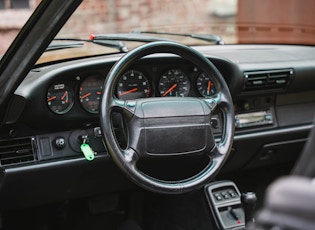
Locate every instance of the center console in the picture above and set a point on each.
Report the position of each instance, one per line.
(230, 209)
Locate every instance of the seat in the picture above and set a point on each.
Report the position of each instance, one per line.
(290, 201)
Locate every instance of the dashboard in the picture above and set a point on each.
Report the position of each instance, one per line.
(141, 81)
(56, 108)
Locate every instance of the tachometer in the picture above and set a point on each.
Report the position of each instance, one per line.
(205, 85)
(59, 98)
(132, 85)
(174, 82)
(90, 93)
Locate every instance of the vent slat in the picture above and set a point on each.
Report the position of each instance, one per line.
(281, 81)
(16, 151)
(267, 80)
(278, 76)
(17, 158)
(4, 146)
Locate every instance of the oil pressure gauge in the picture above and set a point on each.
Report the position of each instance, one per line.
(90, 93)
(59, 98)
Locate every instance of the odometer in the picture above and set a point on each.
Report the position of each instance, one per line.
(174, 83)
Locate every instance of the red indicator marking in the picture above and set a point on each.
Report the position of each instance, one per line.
(64, 95)
(169, 90)
(51, 98)
(86, 95)
(129, 91)
(209, 87)
(92, 37)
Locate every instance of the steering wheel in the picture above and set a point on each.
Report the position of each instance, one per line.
(161, 127)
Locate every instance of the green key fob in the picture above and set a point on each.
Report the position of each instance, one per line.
(87, 151)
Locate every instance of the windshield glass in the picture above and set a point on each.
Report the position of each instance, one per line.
(233, 21)
(101, 17)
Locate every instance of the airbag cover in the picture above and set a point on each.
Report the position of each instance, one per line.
(174, 126)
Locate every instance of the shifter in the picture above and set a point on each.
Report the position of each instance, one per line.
(249, 202)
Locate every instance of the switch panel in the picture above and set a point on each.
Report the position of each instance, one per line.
(225, 204)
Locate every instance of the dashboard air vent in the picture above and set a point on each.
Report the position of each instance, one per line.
(267, 80)
(16, 151)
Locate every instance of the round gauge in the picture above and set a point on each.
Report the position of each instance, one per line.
(132, 85)
(205, 85)
(90, 93)
(59, 98)
(174, 82)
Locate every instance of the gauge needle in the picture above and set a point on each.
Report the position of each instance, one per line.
(51, 98)
(85, 95)
(209, 87)
(129, 91)
(64, 95)
(169, 90)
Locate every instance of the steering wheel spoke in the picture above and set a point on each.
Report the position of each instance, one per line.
(127, 108)
(219, 100)
(215, 152)
(212, 102)
(130, 156)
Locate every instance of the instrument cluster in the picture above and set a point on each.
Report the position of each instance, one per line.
(133, 84)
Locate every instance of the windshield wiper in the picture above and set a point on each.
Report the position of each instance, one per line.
(108, 40)
(205, 37)
(132, 37)
(64, 43)
(115, 40)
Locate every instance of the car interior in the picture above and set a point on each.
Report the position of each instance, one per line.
(164, 136)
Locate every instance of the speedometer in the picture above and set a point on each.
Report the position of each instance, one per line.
(174, 82)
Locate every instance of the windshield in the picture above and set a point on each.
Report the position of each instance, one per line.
(111, 17)
(233, 21)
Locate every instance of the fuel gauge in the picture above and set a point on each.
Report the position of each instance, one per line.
(59, 98)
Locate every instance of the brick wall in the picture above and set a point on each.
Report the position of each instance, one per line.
(170, 14)
(122, 15)
(111, 16)
(263, 21)
(11, 21)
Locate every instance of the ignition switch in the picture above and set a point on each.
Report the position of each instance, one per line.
(86, 148)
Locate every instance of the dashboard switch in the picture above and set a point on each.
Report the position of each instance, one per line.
(59, 143)
(218, 197)
(97, 132)
(214, 123)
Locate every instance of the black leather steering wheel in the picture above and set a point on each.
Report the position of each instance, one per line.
(167, 126)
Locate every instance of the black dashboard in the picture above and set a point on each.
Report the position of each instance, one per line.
(56, 106)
